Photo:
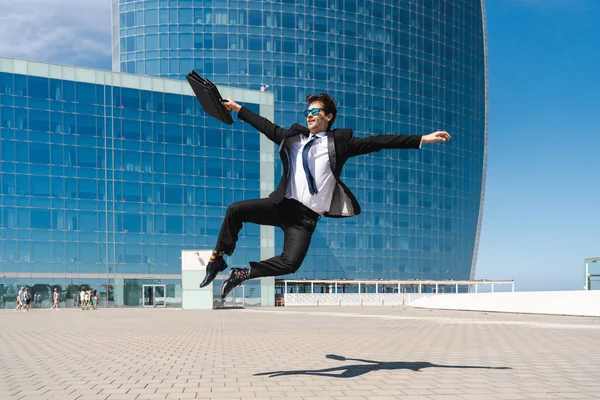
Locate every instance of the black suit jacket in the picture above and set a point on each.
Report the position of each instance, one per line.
(341, 145)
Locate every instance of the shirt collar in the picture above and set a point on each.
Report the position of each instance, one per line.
(319, 134)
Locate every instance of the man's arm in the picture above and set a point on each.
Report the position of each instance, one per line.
(273, 132)
(371, 144)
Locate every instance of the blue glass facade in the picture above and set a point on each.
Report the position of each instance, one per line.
(395, 66)
(104, 184)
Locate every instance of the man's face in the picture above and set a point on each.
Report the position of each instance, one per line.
(317, 123)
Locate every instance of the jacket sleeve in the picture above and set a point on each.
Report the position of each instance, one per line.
(357, 147)
(273, 132)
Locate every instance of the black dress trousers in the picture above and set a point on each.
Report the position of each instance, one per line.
(297, 221)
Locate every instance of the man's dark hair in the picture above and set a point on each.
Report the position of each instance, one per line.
(329, 105)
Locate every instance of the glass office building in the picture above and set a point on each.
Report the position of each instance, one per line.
(394, 66)
(105, 178)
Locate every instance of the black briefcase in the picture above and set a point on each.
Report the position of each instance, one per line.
(209, 97)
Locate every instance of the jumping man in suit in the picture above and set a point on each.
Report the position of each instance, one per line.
(312, 159)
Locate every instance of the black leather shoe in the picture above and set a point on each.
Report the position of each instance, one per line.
(236, 277)
(212, 269)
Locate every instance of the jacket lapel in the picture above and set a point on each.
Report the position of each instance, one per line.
(331, 150)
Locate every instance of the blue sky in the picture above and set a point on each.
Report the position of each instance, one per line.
(542, 201)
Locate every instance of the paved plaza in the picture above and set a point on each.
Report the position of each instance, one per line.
(309, 353)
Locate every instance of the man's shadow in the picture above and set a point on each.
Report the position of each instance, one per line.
(351, 371)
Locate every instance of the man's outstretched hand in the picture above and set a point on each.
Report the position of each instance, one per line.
(439, 136)
(231, 105)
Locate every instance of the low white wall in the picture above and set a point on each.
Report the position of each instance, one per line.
(583, 302)
(351, 299)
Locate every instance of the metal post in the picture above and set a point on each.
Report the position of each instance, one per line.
(476, 285)
(419, 287)
(335, 288)
(436, 288)
(359, 288)
(399, 288)
(376, 287)
(587, 276)
(312, 288)
(284, 287)
(457, 288)
(492, 287)
(513, 286)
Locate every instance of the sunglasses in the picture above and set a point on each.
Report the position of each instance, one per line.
(313, 111)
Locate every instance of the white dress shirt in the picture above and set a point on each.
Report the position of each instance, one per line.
(318, 163)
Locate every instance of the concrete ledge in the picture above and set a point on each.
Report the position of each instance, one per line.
(350, 299)
(579, 303)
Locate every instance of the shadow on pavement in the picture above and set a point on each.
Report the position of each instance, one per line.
(351, 371)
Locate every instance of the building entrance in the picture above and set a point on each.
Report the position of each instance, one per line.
(154, 295)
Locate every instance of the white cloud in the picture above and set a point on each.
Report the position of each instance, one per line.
(74, 32)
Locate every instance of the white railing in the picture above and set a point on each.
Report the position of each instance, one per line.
(351, 299)
(374, 292)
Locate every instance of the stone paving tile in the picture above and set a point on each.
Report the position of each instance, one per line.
(297, 353)
(410, 397)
